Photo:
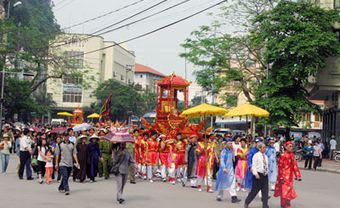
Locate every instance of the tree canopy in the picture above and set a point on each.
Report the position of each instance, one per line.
(298, 38)
(277, 47)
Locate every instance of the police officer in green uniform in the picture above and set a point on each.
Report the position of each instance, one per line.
(106, 151)
(130, 147)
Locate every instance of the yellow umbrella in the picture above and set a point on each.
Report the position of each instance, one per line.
(247, 110)
(94, 115)
(64, 114)
(203, 110)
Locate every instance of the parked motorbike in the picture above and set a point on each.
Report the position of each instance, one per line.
(336, 155)
(299, 154)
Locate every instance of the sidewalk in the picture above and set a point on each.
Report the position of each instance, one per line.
(327, 166)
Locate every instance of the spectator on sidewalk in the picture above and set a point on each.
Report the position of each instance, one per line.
(5, 147)
(309, 150)
(332, 144)
(317, 154)
(323, 151)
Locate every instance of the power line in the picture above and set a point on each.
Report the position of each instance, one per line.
(172, 15)
(155, 30)
(66, 4)
(104, 15)
(130, 17)
(144, 18)
(116, 23)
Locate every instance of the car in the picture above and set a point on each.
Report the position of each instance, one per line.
(57, 121)
(221, 131)
(238, 132)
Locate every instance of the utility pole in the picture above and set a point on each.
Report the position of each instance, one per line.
(3, 39)
(185, 65)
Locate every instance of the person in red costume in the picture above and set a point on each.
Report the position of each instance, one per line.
(138, 139)
(163, 156)
(288, 170)
(152, 153)
(181, 146)
(143, 153)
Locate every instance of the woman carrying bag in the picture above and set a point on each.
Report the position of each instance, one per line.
(120, 169)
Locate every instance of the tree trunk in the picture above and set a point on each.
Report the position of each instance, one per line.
(287, 134)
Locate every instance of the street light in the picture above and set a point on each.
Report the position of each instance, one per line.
(16, 4)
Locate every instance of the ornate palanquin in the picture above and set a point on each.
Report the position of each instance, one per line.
(168, 121)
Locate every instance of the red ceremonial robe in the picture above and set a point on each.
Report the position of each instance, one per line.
(288, 169)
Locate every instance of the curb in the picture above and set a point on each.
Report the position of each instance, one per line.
(320, 169)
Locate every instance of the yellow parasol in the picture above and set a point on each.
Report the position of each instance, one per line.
(203, 110)
(67, 114)
(247, 110)
(94, 115)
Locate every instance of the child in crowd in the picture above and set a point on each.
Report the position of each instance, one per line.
(49, 166)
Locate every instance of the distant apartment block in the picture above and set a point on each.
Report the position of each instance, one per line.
(111, 63)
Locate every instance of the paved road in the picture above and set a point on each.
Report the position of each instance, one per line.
(317, 190)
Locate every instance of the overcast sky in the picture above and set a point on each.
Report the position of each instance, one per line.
(160, 50)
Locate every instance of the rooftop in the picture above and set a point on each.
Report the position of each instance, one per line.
(139, 68)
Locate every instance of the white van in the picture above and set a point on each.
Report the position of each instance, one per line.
(222, 131)
(57, 121)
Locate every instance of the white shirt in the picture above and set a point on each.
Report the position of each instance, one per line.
(277, 146)
(43, 152)
(235, 147)
(260, 164)
(333, 144)
(25, 143)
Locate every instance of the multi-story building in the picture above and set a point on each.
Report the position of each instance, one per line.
(111, 63)
(327, 85)
(147, 77)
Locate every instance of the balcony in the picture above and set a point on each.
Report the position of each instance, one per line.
(327, 81)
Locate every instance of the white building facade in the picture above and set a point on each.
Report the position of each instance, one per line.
(111, 63)
(147, 77)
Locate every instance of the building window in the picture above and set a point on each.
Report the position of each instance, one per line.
(336, 4)
(317, 117)
(337, 33)
(141, 76)
(75, 59)
(72, 90)
(72, 97)
(121, 77)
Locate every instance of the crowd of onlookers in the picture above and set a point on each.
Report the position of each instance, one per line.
(57, 153)
(314, 150)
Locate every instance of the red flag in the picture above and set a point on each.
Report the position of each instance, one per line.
(106, 109)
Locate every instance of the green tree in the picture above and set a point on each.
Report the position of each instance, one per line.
(125, 98)
(222, 59)
(28, 39)
(298, 38)
(198, 100)
(20, 101)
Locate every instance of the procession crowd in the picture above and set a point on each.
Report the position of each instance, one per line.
(236, 163)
